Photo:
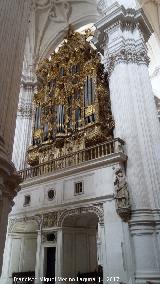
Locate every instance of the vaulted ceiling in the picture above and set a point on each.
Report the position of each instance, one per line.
(49, 21)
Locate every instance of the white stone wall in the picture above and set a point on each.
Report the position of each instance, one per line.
(79, 253)
(100, 179)
(114, 240)
(20, 254)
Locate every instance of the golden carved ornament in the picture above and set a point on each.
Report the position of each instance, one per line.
(73, 109)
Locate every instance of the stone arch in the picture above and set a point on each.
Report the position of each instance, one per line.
(93, 209)
(23, 225)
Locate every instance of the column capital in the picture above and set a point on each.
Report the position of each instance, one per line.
(25, 111)
(122, 35)
(9, 178)
(118, 15)
(28, 83)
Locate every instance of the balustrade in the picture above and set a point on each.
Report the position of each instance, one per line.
(75, 158)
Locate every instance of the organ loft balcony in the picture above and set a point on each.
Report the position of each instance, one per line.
(108, 152)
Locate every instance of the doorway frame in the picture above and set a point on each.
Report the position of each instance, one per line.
(46, 244)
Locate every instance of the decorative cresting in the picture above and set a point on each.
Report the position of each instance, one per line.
(122, 194)
(72, 103)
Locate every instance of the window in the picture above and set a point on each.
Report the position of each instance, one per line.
(27, 200)
(51, 237)
(78, 188)
(51, 194)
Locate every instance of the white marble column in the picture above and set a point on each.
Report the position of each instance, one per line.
(123, 34)
(23, 131)
(59, 253)
(38, 258)
(5, 207)
(4, 279)
(132, 101)
(13, 22)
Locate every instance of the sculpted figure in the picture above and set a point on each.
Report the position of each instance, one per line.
(122, 194)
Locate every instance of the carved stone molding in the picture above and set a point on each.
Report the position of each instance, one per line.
(10, 179)
(101, 6)
(155, 73)
(126, 55)
(37, 219)
(56, 218)
(97, 209)
(25, 111)
(60, 11)
(11, 223)
(50, 219)
(41, 3)
(29, 86)
(122, 34)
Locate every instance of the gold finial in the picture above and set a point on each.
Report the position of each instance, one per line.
(70, 31)
(88, 33)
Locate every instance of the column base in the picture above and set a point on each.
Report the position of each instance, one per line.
(147, 277)
(144, 229)
(9, 186)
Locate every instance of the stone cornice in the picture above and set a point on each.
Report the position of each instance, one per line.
(28, 85)
(28, 82)
(126, 55)
(9, 185)
(144, 220)
(56, 218)
(118, 15)
(10, 179)
(111, 36)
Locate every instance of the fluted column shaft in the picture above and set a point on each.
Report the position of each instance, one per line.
(38, 258)
(23, 131)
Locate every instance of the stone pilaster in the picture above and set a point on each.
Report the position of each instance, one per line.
(38, 258)
(122, 33)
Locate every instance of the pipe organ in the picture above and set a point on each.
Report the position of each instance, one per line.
(72, 103)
